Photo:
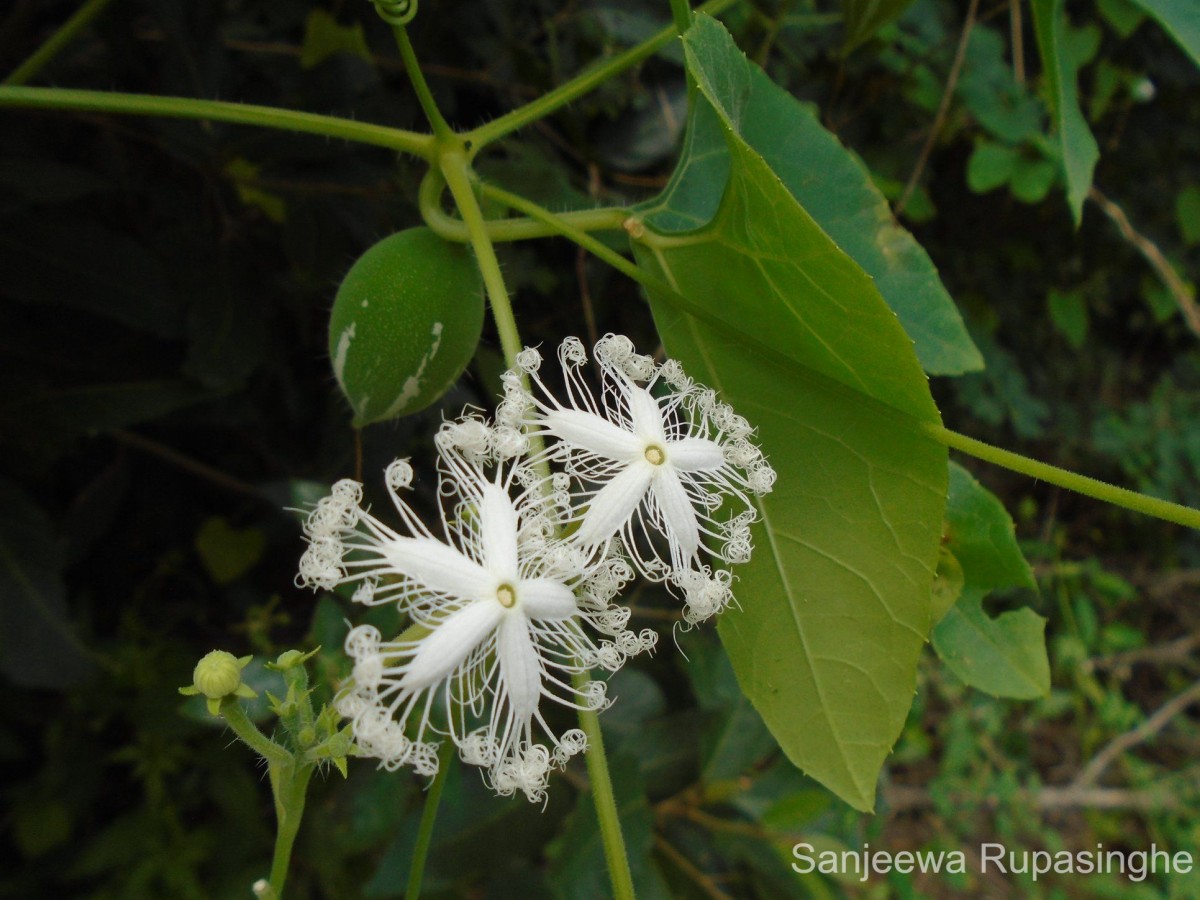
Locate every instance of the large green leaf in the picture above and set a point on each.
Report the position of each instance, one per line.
(1004, 656)
(835, 189)
(1180, 19)
(1079, 150)
(834, 607)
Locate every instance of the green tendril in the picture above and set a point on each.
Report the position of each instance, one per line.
(396, 12)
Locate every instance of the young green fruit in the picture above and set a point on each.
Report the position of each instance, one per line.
(405, 324)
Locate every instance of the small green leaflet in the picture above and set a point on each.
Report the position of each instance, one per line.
(1079, 150)
(1004, 656)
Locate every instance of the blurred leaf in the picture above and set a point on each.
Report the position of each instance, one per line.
(990, 166)
(835, 189)
(1178, 18)
(646, 136)
(988, 88)
(1079, 149)
(244, 174)
(1122, 15)
(38, 644)
(228, 552)
(835, 603)
(736, 737)
(1032, 179)
(1187, 211)
(863, 18)
(227, 337)
(1069, 314)
(40, 826)
(1004, 656)
(323, 37)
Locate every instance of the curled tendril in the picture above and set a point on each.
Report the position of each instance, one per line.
(396, 12)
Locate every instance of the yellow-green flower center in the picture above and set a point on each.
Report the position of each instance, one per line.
(507, 595)
(655, 455)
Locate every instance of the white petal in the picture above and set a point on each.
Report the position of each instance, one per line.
(450, 643)
(498, 531)
(593, 433)
(437, 566)
(614, 503)
(695, 454)
(647, 417)
(520, 667)
(676, 506)
(542, 598)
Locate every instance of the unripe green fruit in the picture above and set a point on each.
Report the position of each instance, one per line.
(405, 323)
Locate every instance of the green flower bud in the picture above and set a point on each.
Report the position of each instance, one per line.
(217, 676)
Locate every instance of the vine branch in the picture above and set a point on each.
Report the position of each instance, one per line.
(1181, 292)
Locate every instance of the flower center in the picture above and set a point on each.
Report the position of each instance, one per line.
(506, 594)
(655, 455)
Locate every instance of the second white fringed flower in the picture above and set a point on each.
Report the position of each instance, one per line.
(677, 469)
(496, 624)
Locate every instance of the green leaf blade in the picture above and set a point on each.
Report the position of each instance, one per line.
(835, 605)
(829, 182)
(1178, 18)
(1079, 148)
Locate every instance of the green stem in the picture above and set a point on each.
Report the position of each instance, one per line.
(416, 872)
(239, 723)
(605, 801)
(289, 804)
(56, 42)
(579, 85)
(436, 120)
(456, 171)
(681, 12)
(503, 230)
(421, 145)
(1081, 484)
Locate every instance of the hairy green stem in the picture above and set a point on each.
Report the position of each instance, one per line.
(289, 786)
(580, 84)
(421, 145)
(66, 33)
(456, 171)
(424, 96)
(289, 805)
(503, 230)
(604, 800)
(681, 12)
(433, 797)
(1081, 484)
(239, 723)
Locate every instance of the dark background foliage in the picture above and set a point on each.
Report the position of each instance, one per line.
(165, 396)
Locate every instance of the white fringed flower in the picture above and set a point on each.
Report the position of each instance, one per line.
(496, 625)
(648, 465)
